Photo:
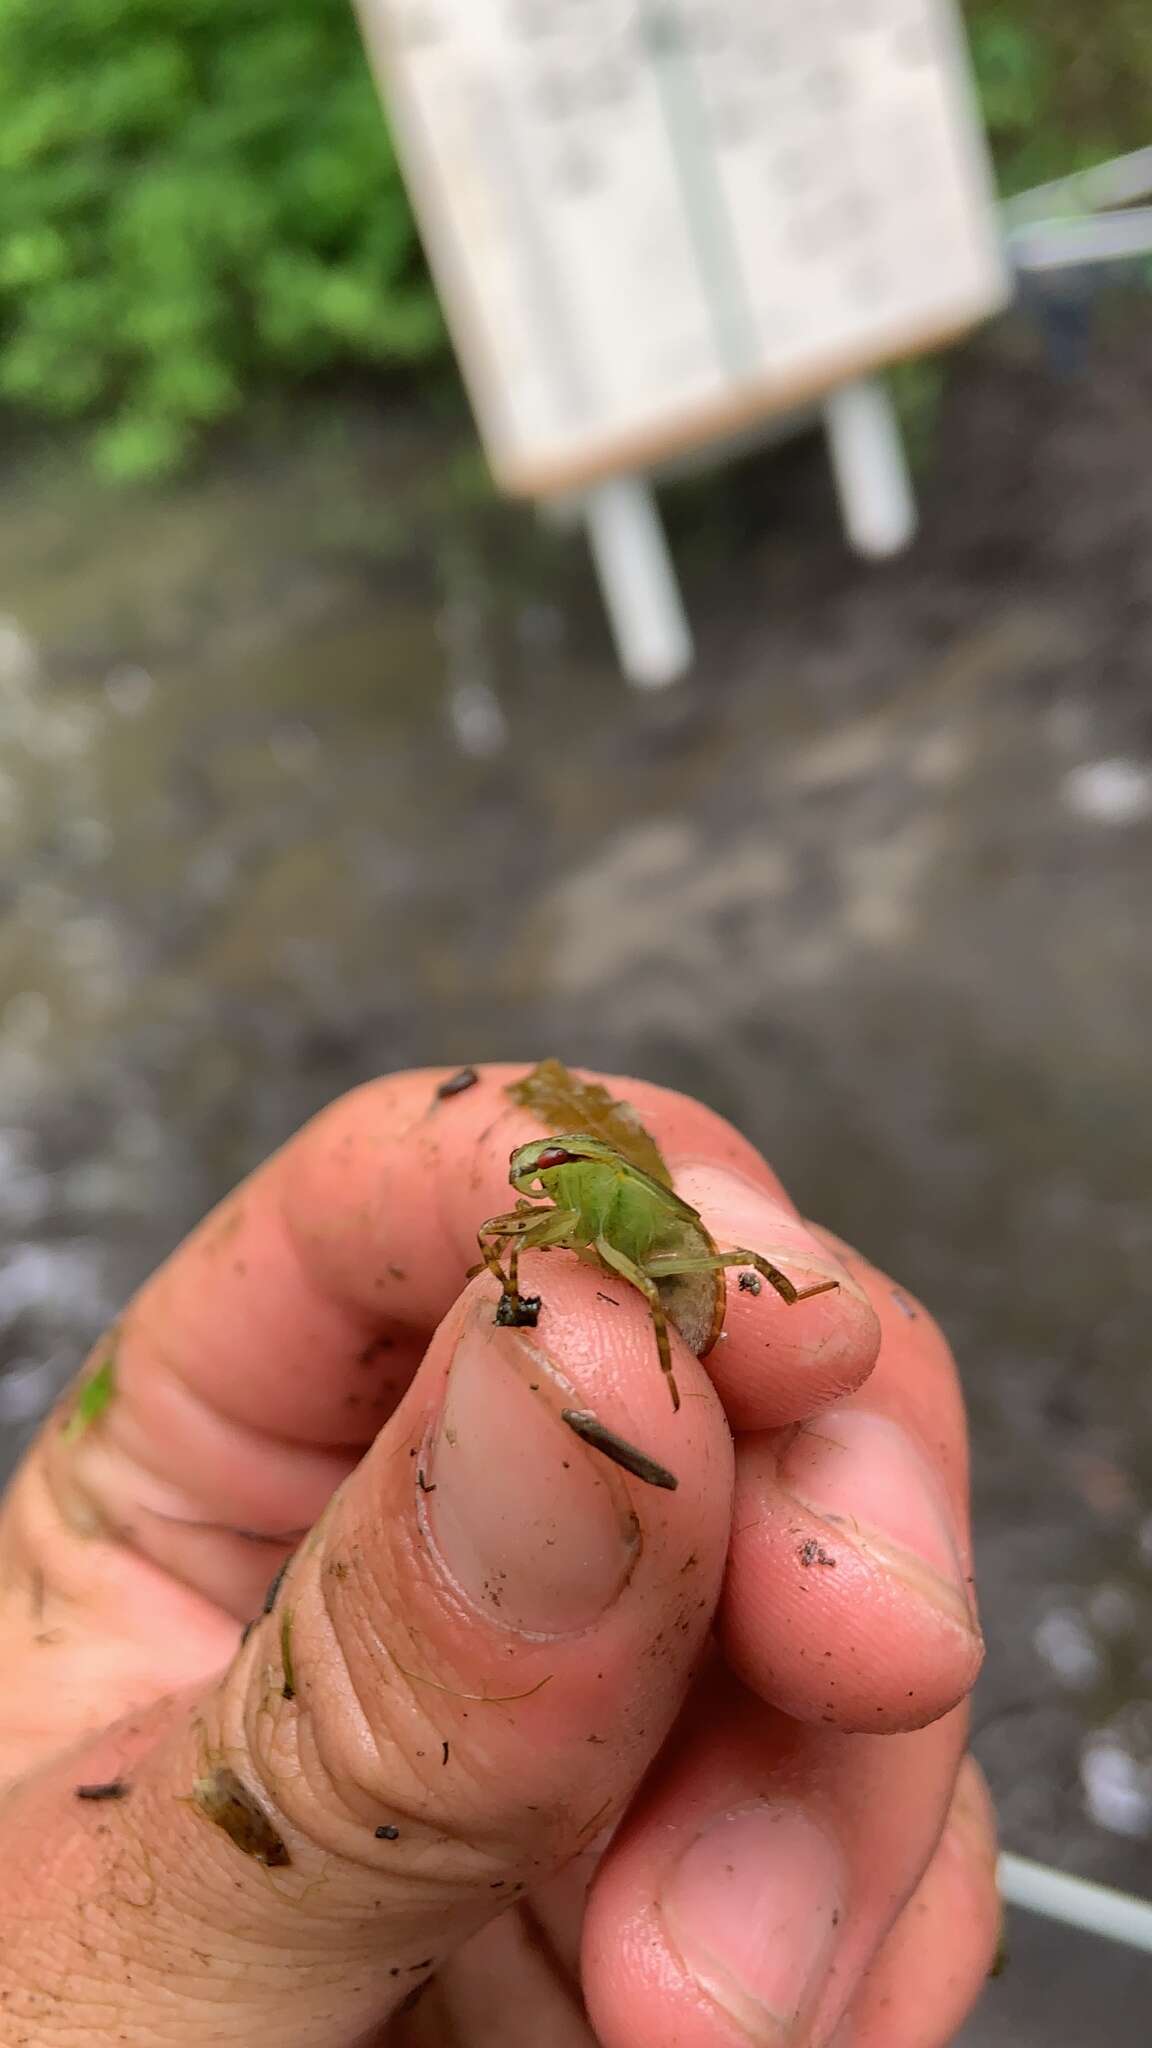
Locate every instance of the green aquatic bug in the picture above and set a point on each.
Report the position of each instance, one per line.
(592, 1201)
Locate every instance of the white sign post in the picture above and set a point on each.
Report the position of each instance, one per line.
(655, 222)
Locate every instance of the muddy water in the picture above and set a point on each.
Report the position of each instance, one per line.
(320, 766)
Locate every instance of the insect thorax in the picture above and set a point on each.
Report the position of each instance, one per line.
(610, 1203)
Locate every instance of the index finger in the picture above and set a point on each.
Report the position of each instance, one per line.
(256, 1366)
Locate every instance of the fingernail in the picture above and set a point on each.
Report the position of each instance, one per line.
(865, 1475)
(752, 1908)
(747, 1215)
(535, 1529)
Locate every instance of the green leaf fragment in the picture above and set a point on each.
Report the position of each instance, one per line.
(93, 1400)
(563, 1102)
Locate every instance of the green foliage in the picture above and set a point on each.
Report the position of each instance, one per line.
(1063, 83)
(197, 198)
(917, 388)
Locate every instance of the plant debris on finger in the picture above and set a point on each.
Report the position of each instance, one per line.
(589, 1427)
(274, 1587)
(563, 1101)
(225, 1800)
(93, 1400)
(288, 1689)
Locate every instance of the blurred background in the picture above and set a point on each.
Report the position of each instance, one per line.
(315, 761)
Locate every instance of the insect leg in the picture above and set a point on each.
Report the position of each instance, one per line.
(637, 1277)
(490, 1257)
(513, 1310)
(524, 1210)
(529, 1229)
(663, 1269)
(785, 1288)
(513, 1222)
(503, 1230)
(546, 1225)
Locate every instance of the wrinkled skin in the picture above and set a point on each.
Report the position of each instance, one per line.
(593, 1763)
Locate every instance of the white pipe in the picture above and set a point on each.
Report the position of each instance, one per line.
(1116, 182)
(1095, 1908)
(870, 468)
(1100, 238)
(638, 582)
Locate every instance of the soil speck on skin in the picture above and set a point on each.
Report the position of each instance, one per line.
(467, 1077)
(518, 1312)
(811, 1552)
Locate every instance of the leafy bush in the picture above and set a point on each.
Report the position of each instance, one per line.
(196, 197)
(1063, 83)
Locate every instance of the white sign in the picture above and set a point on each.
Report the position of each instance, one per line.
(652, 221)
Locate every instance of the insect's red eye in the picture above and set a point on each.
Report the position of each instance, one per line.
(553, 1155)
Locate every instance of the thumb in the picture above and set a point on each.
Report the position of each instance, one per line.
(465, 1670)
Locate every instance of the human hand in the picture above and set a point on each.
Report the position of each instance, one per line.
(499, 1649)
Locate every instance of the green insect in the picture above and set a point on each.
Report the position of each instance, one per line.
(591, 1200)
